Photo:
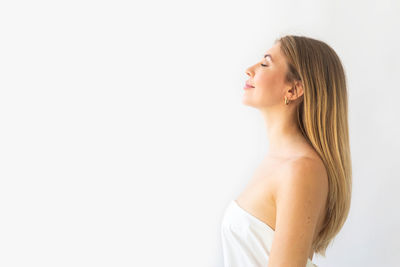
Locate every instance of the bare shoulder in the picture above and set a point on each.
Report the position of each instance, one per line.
(300, 200)
(307, 174)
(312, 165)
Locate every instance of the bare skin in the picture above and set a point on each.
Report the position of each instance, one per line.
(258, 197)
(286, 142)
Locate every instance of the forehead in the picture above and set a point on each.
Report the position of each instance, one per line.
(275, 53)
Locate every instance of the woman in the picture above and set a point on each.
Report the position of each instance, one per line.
(299, 197)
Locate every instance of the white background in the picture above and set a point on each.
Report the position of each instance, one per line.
(123, 136)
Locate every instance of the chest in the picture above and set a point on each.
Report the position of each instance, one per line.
(258, 196)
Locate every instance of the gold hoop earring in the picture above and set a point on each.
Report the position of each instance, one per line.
(286, 100)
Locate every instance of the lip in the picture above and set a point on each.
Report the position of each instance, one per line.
(248, 86)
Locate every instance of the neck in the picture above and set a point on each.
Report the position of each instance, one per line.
(283, 132)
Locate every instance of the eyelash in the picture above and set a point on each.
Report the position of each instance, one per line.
(264, 65)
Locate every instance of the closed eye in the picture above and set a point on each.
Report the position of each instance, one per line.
(264, 65)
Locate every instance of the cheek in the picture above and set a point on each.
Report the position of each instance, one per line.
(269, 83)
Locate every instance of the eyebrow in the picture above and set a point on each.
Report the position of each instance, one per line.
(268, 55)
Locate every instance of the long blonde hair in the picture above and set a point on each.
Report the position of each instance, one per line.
(323, 119)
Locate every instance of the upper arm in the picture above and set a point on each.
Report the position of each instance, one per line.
(300, 199)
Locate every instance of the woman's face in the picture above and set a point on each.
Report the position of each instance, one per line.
(268, 78)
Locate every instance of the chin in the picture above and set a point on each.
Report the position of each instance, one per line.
(247, 102)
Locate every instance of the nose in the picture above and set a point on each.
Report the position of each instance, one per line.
(249, 71)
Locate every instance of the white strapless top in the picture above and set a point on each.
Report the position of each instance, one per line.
(246, 240)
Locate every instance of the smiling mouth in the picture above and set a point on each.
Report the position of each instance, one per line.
(248, 86)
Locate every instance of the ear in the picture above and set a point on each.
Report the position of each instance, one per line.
(296, 91)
